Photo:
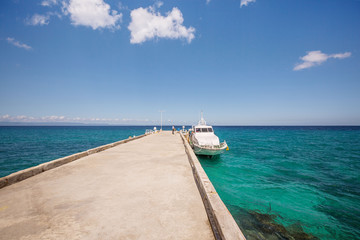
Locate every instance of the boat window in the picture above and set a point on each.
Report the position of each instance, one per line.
(210, 130)
(197, 129)
(204, 130)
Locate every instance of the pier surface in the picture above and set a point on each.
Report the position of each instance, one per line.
(143, 189)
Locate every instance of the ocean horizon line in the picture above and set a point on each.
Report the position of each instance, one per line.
(72, 124)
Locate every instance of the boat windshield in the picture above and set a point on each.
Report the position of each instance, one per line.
(203, 130)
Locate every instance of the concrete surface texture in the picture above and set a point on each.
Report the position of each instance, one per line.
(143, 189)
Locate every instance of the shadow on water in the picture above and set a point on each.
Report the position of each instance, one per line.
(256, 225)
(212, 159)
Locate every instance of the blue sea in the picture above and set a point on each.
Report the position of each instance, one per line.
(277, 182)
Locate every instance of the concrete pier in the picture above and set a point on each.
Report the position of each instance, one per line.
(143, 189)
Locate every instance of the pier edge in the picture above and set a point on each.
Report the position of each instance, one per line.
(222, 222)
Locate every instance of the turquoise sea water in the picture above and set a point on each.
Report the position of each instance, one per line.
(24, 147)
(284, 182)
(278, 182)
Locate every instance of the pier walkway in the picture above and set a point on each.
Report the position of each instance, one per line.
(143, 189)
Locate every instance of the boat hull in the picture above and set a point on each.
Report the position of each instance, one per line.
(208, 151)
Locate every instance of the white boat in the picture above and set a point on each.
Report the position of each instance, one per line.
(204, 141)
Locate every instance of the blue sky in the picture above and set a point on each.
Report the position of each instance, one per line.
(242, 62)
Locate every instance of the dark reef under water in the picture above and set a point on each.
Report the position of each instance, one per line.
(261, 226)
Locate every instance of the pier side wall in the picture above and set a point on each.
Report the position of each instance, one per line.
(222, 223)
(29, 172)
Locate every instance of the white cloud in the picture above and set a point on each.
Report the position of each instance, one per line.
(18, 44)
(246, 2)
(208, 1)
(341, 55)
(147, 24)
(5, 117)
(313, 58)
(158, 4)
(63, 119)
(53, 118)
(92, 13)
(121, 6)
(48, 3)
(38, 19)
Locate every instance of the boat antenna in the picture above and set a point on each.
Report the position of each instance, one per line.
(202, 120)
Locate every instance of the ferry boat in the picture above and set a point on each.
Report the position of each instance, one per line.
(204, 141)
